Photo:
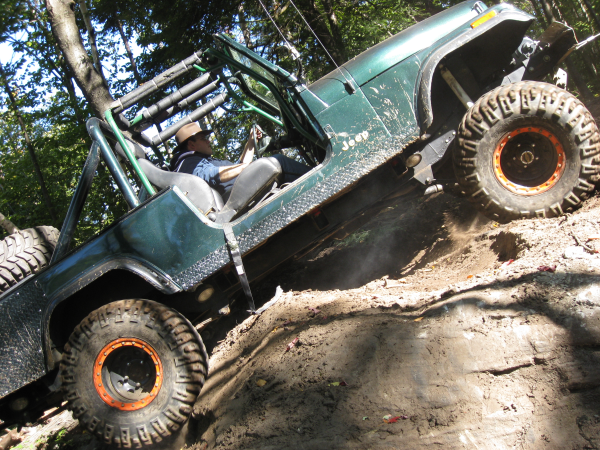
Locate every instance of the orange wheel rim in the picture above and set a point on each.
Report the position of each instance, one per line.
(112, 369)
(517, 164)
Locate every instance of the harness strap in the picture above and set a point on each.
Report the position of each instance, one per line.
(236, 257)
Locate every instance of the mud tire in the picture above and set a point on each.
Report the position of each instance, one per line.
(24, 253)
(511, 108)
(184, 368)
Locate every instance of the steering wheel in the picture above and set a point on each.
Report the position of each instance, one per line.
(260, 140)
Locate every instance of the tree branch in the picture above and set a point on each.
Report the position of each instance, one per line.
(30, 148)
(7, 224)
(92, 37)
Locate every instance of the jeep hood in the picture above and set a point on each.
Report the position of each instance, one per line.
(386, 54)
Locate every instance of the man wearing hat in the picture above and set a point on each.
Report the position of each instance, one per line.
(193, 154)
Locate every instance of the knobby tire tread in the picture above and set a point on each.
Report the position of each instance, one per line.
(520, 101)
(164, 415)
(24, 253)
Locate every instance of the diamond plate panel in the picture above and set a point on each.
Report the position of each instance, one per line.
(21, 355)
(270, 225)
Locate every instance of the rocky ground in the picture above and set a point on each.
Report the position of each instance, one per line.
(429, 327)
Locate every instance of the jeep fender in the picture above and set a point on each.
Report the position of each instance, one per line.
(511, 23)
(145, 271)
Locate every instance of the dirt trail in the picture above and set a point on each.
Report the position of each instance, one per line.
(471, 335)
(430, 326)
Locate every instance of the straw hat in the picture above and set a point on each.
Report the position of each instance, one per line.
(186, 132)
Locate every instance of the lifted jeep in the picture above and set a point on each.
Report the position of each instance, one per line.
(111, 326)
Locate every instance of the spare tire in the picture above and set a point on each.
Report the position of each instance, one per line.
(24, 253)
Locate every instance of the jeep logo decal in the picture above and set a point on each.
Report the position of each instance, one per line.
(362, 136)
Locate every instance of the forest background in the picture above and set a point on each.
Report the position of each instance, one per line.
(46, 97)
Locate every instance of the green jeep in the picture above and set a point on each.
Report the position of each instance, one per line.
(112, 325)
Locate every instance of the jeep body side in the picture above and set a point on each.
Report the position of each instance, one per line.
(378, 126)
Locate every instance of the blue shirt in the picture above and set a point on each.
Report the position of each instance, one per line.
(207, 168)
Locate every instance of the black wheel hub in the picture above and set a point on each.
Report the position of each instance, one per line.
(127, 374)
(529, 160)
(130, 372)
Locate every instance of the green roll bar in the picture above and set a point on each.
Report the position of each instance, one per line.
(136, 167)
(249, 107)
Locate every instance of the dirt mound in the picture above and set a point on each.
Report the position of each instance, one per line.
(430, 325)
(472, 334)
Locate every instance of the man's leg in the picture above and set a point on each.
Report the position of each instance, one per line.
(292, 170)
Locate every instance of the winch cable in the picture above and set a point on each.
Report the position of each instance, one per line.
(287, 44)
(347, 83)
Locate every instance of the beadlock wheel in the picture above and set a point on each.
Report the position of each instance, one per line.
(131, 372)
(529, 160)
(128, 374)
(528, 149)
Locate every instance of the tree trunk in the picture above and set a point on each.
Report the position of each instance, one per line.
(593, 22)
(557, 9)
(29, 144)
(547, 11)
(66, 33)
(244, 26)
(68, 82)
(7, 224)
(333, 43)
(92, 37)
(335, 28)
(538, 13)
(585, 12)
(592, 13)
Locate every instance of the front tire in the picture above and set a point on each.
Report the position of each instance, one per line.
(132, 371)
(527, 149)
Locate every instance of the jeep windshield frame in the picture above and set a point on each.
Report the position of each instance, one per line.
(252, 87)
(271, 77)
(256, 62)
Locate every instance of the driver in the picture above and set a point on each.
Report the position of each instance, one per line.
(193, 154)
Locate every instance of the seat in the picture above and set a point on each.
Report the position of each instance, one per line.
(196, 189)
(253, 184)
(256, 181)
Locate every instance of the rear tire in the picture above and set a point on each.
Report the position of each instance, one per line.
(24, 253)
(527, 149)
(132, 371)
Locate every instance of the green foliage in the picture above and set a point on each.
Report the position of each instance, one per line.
(161, 34)
(60, 441)
(54, 117)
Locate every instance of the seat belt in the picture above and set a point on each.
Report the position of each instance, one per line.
(236, 257)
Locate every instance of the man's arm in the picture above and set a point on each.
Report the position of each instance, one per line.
(227, 173)
(214, 174)
(248, 153)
